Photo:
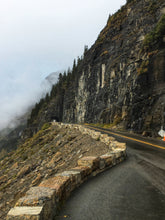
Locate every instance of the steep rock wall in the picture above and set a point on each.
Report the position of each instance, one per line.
(121, 78)
(111, 86)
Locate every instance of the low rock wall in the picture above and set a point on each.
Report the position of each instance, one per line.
(108, 140)
(43, 201)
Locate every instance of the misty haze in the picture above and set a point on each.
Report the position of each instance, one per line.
(82, 109)
(40, 37)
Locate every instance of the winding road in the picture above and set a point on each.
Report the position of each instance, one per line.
(132, 190)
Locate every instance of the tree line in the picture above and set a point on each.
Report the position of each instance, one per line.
(65, 80)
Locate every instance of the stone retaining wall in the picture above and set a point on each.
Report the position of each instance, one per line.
(108, 140)
(42, 202)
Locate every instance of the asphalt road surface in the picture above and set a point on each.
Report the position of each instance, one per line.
(132, 190)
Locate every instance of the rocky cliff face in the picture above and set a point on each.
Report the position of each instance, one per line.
(121, 78)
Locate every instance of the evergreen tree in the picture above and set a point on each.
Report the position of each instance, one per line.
(85, 49)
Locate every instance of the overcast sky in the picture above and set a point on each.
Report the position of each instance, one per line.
(43, 36)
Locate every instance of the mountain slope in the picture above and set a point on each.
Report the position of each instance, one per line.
(120, 79)
(55, 148)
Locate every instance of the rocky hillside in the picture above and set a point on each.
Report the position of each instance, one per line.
(119, 80)
(53, 149)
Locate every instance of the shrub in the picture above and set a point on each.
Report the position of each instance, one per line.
(45, 126)
(155, 37)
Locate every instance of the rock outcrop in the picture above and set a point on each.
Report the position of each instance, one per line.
(121, 78)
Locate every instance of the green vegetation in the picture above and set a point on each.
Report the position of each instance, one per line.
(154, 39)
(46, 126)
(116, 121)
(114, 21)
(58, 90)
(152, 7)
(144, 67)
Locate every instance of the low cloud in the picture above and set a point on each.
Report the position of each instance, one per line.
(40, 37)
(21, 93)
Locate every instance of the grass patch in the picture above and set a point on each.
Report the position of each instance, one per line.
(45, 126)
(116, 121)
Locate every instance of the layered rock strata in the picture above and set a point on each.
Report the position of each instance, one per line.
(121, 78)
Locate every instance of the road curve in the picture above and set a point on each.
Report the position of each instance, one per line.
(133, 190)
